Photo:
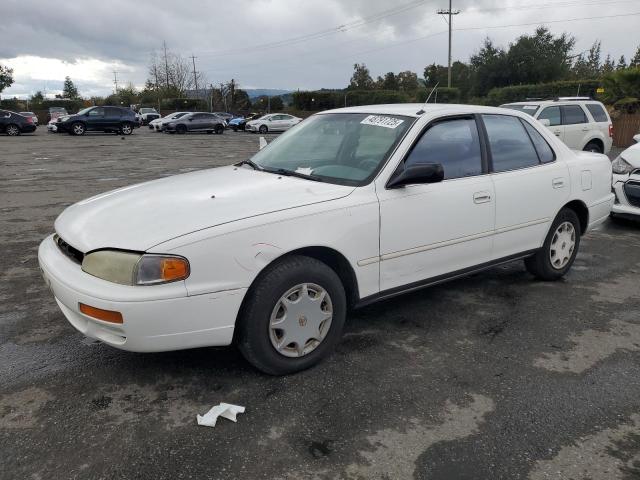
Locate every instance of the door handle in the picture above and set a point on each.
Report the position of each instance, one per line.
(585, 129)
(557, 133)
(481, 197)
(558, 183)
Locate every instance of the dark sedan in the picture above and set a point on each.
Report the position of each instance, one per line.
(99, 119)
(14, 124)
(196, 122)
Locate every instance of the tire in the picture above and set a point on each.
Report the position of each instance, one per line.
(593, 147)
(263, 129)
(78, 128)
(235, 129)
(126, 129)
(12, 130)
(219, 130)
(257, 339)
(181, 129)
(541, 265)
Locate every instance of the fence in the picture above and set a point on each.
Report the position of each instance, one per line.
(625, 126)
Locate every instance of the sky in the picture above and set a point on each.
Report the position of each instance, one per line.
(285, 44)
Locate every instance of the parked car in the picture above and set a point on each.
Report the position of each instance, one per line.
(32, 115)
(147, 115)
(51, 126)
(626, 182)
(580, 122)
(196, 122)
(157, 124)
(55, 112)
(275, 122)
(354, 206)
(240, 123)
(13, 124)
(99, 119)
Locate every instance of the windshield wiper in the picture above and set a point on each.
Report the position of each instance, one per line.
(292, 173)
(251, 163)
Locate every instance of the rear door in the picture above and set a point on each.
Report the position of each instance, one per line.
(112, 117)
(553, 114)
(576, 126)
(531, 184)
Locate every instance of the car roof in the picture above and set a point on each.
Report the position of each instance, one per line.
(419, 109)
(553, 102)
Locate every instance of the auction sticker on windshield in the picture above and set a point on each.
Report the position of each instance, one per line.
(382, 121)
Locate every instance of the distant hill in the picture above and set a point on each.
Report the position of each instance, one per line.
(258, 92)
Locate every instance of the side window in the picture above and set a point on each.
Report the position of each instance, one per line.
(552, 114)
(452, 143)
(97, 112)
(572, 114)
(510, 145)
(597, 112)
(112, 112)
(545, 153)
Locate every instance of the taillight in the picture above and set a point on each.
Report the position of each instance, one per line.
(611, 130)
(29, 119)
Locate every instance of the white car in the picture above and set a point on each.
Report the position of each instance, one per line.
(275, 122)
(581, 123)
(51, 126)
(146, 115)
(626, 182)
(156, 125)
(353, 206)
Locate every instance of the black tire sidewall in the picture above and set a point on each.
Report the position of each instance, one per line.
(541, 262)
(73, 129)
(263, 129)
(253, 338)
(592, 147)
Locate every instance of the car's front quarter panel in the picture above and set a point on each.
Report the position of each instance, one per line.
(231, 256)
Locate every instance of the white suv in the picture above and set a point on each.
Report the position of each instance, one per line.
(581, 123)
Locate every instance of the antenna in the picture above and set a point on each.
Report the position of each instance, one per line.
(421, 111)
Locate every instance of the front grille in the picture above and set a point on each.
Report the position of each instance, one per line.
(72, 253)
(632, 192)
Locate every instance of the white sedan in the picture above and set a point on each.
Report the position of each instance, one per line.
(275, 122)
(626, 182)
(353, 206)
(157, 124)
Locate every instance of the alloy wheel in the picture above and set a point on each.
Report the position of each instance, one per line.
(13, 131)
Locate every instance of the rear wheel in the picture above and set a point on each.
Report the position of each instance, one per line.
(292, 317)
(593, 147)
(219, 129)
(12, 130)
(78, 128)
(560, 248)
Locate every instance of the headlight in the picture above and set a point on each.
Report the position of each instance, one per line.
(129, 268)
(620, 166)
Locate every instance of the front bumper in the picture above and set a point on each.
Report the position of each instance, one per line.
(154, 319)
(627, 191)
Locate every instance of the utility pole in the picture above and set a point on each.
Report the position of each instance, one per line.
(166, 63)
(450, 12)
(115, 80)
(195, 77)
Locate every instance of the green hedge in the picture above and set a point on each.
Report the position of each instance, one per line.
(519, 93)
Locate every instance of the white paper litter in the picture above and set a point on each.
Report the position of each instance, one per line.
(225, 410)
(262, 142)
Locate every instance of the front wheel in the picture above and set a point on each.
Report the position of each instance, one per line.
(292, 317)
(219, 130)
(560, 248)
(263, 129)
(181, 129)
(126, 129)
(78, 128)
(12, 130)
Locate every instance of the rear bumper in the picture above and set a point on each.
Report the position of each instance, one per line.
(153, 321)
(600, 211)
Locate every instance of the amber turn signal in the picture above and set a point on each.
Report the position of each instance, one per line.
(174, 269)
(100, 314)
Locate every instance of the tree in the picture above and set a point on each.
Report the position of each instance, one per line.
(622, 63)
(6, 77)
(635, 61)
(489, 68)
(608, 66)
(407, 81)
(389, 82)
(69, 90)
(37, 97)
(361, 78)
(171, 75)
(593, 59)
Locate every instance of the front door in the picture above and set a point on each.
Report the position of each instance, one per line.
(95, 119)
(439, 228)
(555, 120)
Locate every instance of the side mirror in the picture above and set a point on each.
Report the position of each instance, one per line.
(419, 173)
(545, 121)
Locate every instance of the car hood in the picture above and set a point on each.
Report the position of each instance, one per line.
(141, 216)
(632, 155)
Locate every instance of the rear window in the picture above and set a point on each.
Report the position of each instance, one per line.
(510, 145)
(573, 114)
(528, 109)
(597, 112)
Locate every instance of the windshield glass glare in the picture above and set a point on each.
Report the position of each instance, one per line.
(344, 148)
(528, 109)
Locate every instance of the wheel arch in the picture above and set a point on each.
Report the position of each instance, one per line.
(596, 140)
(581, 210)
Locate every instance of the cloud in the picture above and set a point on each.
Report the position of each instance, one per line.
(88, 39)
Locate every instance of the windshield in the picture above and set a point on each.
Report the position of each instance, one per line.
(343, 148)
(529, 109)
(147, 110)
(84, 111)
